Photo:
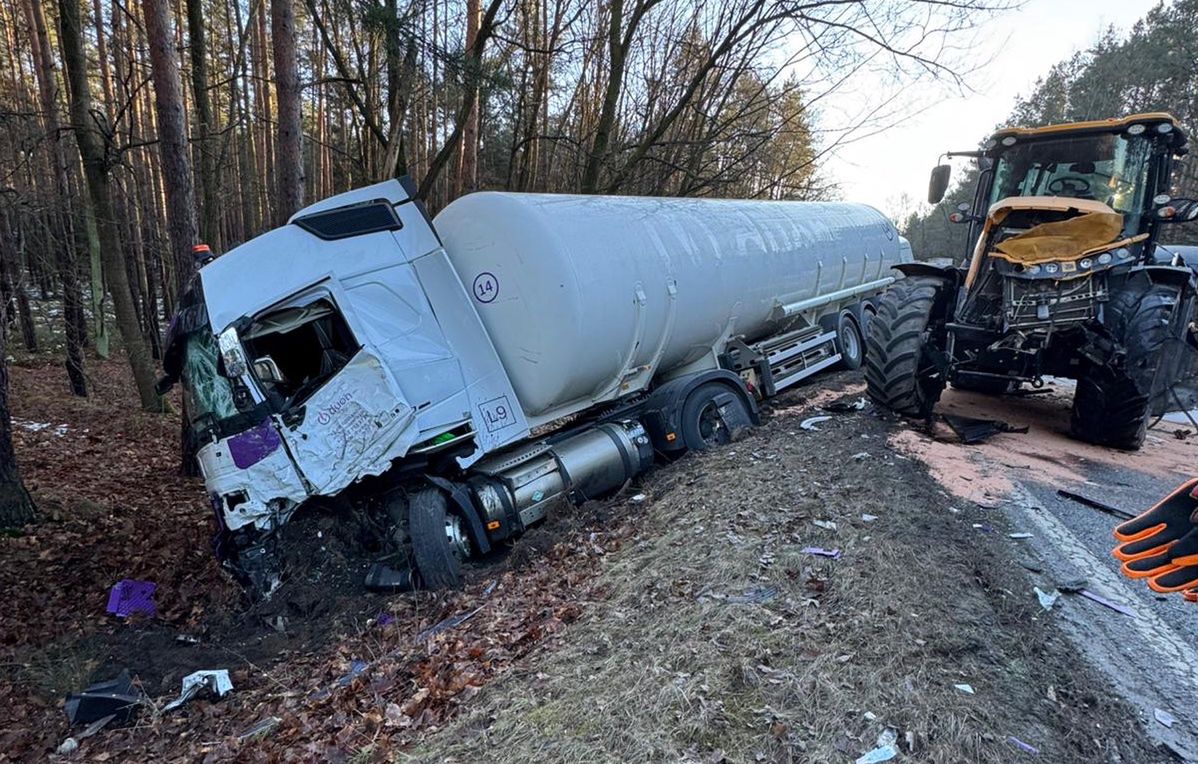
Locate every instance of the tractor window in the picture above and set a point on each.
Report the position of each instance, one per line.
(1109, 168)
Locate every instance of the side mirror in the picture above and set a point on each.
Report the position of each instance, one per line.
(1178, 211)
(938, 183)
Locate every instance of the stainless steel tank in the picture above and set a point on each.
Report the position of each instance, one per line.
(587, 297)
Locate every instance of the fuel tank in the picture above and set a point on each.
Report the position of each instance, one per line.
(587, 298)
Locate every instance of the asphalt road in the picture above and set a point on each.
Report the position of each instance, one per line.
(1150, 651)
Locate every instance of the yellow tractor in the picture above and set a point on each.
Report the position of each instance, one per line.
(1064, 277)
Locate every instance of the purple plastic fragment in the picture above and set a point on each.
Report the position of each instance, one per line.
(819, 550)
(254, 445)
(129, 597)
(1104, 601)
(384, 618)
(1022, 745)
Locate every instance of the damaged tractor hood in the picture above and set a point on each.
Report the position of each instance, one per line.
(1094, 228)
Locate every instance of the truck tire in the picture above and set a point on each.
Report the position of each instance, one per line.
(896, 359)
(437, 561)
(711, 415)
(1112, 405)
(849, 342)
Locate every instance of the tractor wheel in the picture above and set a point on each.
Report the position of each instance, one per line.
(1112, 405)
(429, 526)
(898, 372)
(849, 342)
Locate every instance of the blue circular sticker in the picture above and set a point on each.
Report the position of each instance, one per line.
(486, 287)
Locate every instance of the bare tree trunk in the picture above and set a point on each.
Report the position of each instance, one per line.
(289, 151)
(16, 507)
(72, 305)
(467, 179)
(10, 262)
(95, 167)
(210, 219)
(172, 140)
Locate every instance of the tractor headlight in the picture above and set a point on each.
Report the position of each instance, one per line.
(1085, 263)
(1051, 268)
(1104, 258)
(1032, 269)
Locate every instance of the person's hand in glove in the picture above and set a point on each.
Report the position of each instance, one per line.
(1173, 570)
(1150, 533)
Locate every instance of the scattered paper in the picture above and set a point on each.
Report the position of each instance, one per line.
(965, 688)
(1163, 716)
(1047, 599)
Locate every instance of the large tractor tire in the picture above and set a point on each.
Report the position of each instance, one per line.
(898, 372)
(1112, 405)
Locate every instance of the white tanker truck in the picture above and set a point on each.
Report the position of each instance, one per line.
(461, 376)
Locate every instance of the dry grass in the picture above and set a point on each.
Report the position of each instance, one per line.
(670, 666)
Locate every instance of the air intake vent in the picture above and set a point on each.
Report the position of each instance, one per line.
(354, 220)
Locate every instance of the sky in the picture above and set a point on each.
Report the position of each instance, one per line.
(1017, 47)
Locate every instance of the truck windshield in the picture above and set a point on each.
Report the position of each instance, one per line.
(1109, 168)
(209, 397)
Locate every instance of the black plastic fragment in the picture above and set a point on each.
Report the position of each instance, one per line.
(384, 578)
(971, 430)
(115, 697)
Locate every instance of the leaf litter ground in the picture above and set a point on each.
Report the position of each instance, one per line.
(688, 626)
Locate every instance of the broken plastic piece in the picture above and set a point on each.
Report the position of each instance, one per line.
(1023, 746)
(1094, 503)
(129, 597)
(885, 750)
(811, 422)
(819, 550)
(756, 595)
(117, 698)
(965, 688)
(971, 430)
(1107, 603)
(844, 406)
(215, 681)
(1019, 536)
(1163, 716)
(1047, 599)
(827, 525)
(384, 578)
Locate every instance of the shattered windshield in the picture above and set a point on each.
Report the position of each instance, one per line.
(1109, 168)
(209, 397)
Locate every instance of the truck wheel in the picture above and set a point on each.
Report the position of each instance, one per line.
(711, 416)
(849, 343)
(429, 527)
(1112, 405)
(898, 372)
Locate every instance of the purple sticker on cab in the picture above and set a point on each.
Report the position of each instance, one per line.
(254, 445)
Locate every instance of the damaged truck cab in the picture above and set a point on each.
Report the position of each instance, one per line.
(1064, 277)
(322, 351)
(361, 356)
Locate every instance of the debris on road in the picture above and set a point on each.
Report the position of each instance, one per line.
(1095, 504)
(827, 525)
(1026, 748)
(885, 749)
(637, 498)
(1163, 716)
(1019, 536)
(1107, 603)
(965, 688)
(845, 406)
(971, 430)
(215, 681)
(811, 422)
(755, 596)
(1047, 599)
(820, 551)
(129, 597)
(868, 518)
(116, 698)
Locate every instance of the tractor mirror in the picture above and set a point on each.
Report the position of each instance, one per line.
(938, 183)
